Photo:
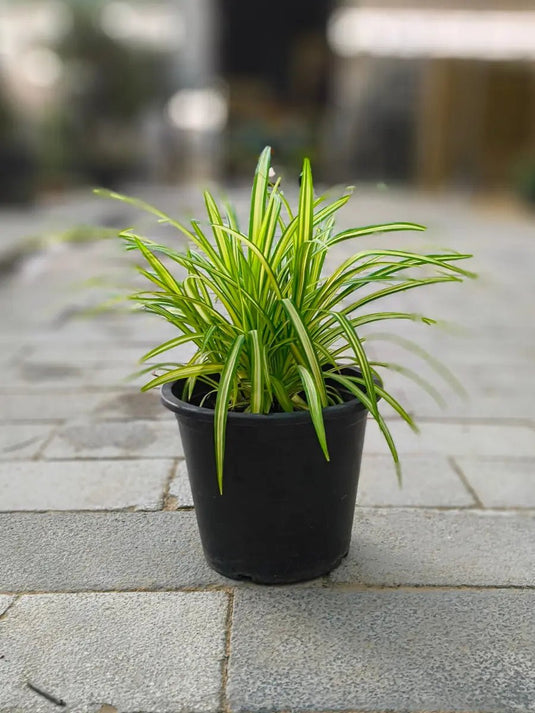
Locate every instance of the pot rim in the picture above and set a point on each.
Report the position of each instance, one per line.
(184, 408)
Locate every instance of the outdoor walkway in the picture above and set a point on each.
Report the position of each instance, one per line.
(107, 604)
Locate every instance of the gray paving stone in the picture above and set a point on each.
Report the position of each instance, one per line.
(88, 353)
(127, 439)
(83, 485)
(501, 483)
(428, 481)
(121, 354)
(477, 548)
(130, 404)
(133, 651)
(102, 551)
(180, 487)
(480, 406)
(67, 374)
(383, 651)
(22, 440)
(53, 406)
(461, 439)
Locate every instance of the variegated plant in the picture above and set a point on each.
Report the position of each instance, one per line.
(271, 330)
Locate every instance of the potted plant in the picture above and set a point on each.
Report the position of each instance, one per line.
(272, 406)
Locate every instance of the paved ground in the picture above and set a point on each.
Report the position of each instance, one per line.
(107, 604)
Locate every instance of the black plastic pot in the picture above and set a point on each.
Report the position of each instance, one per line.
(286, 513)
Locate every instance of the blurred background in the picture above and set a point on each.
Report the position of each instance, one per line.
(426, 106)
(423, 93)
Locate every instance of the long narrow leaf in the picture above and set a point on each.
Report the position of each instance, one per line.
(257, 373)
(308, 349)
(183, 372)
(171, 344)
(372, 229)
(356, 345)
(314, 405)
(259, 194)
(222, 405)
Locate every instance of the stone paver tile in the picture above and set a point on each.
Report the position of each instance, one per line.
(88, 353)
(102, 551)
(83, 485)
(125, 355)
(501, 483)
(8, 353)
(133, 651)
(378, 651)
(440, 547)
(22, 440)
(180, 487)
(426, 481)
(130, 404)
(67, 374)
(43, 375)
(115, 439)
(480, 406)
(462, 439)
(53, 406)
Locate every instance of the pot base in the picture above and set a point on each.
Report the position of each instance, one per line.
(296, 576)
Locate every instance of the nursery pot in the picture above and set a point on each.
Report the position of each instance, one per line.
(286, 513)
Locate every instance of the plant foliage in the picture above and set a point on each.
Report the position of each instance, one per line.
(271, 329)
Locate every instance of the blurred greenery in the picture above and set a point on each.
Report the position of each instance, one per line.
(110, 85)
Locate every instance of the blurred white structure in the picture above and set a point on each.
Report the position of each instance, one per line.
(432, 32)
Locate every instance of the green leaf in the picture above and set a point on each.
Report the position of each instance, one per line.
(183, 372)
(306, 204)
(171, 344)
(331, 209)
(265, 264)
(372, 229)
(356, 345)
(308, 349)
(281, 394)
(142, 205)
(257, 373)
(259, 194)
(222, 405)
(314, 405)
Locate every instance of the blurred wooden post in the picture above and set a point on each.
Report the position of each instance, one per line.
(432, 130)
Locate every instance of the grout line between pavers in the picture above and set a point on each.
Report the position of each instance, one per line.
(225, 704)
(46, 442)
(476, 509)
(232, 589)
(168, 502)
(464, 480)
